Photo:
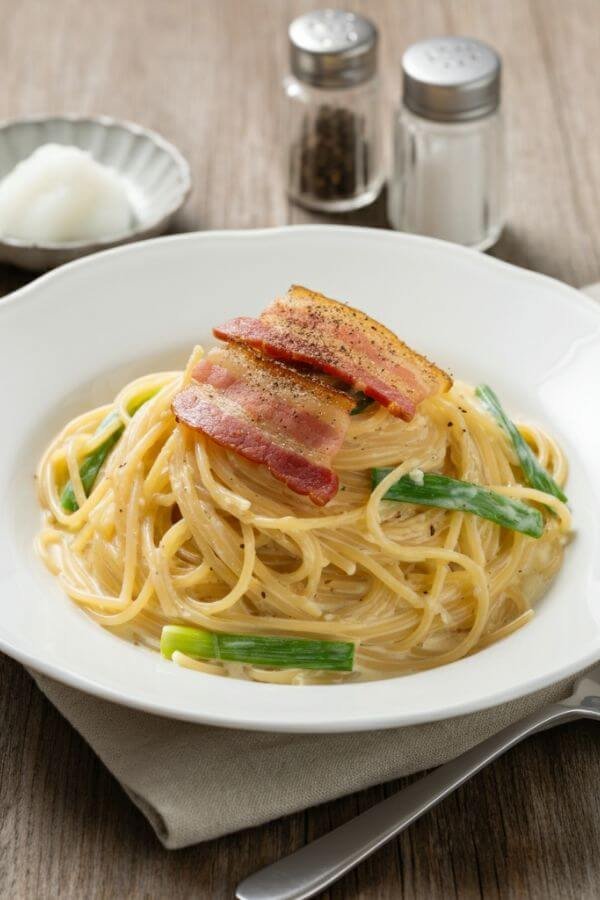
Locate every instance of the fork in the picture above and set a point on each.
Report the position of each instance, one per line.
(317, 865)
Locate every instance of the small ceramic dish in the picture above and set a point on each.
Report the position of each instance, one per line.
(157, 175)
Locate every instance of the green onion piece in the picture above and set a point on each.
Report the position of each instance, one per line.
(279, 652)
(535, 474)
(449, 493)
(92, 463)
(362, 402)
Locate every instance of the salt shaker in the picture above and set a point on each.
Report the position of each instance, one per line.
(333, 116)
(448, 170)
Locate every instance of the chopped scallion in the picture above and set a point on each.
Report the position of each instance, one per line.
(362, 402)
(93, 462)
(277, 652)
(535, 474)
(450, 493)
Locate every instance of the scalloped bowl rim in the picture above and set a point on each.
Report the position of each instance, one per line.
(141, 227)
(564, 636)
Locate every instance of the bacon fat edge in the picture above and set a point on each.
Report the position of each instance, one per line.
(307, 327)
(267, 412)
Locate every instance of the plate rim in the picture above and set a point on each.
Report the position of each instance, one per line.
(248, 233)
(349, 721)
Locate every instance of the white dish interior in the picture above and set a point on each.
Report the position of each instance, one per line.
(71, 339)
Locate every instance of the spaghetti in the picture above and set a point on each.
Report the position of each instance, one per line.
(178, 530)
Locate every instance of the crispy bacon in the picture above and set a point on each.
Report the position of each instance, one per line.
(306, 327)
(271, 414)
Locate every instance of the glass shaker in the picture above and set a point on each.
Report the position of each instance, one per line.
(448, 171)
(333, 116)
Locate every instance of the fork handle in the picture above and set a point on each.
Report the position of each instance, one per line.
(318, 864)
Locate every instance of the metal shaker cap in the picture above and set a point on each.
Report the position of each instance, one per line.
(451, 79)
(331, 48)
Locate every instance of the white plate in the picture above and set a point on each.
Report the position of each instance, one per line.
(71, 339)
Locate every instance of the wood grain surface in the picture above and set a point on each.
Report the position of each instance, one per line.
(206, 74)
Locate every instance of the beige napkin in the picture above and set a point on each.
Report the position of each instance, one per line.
(195, 782)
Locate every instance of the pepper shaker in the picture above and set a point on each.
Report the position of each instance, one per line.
(333, 117)
(448, 171)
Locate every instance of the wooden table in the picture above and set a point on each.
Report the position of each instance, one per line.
(206, 74)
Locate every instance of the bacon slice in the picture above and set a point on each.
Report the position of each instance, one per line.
(306, 327)
(271, 414)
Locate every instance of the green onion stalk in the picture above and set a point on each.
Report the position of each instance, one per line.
(275, 652)
(535, 475)
(449, 493)
(93, 462)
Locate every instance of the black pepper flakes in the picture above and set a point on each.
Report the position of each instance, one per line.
(332, 155)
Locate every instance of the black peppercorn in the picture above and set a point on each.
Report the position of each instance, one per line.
(333, 156)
